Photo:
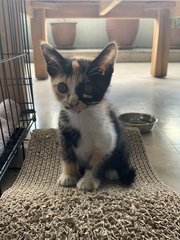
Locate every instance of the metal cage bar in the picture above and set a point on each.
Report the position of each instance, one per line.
(17, 111)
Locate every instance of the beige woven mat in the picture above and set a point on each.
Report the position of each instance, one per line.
(34, 208)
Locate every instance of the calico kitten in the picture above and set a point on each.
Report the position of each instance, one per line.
(93, 142)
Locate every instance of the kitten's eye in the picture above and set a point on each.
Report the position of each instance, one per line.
(88, 88)
(62, 87)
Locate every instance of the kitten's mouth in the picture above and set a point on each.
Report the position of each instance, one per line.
(75, 108)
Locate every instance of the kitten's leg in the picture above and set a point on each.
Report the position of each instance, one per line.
(90, 181)
(69, 175)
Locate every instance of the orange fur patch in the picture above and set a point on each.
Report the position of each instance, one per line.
(96, 158)
(70, 168)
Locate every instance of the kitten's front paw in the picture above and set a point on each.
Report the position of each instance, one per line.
(88, 184)
(67, 181)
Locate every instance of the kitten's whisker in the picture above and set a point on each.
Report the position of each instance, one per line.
(57, 69)
(50, 59)
(85, 71)
(62, 70)
(89, 104)
(52, 67)
(92, 70)
(96, 73)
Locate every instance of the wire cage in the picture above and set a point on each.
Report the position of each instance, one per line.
(17, 112)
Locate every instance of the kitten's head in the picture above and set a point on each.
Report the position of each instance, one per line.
(80, 82)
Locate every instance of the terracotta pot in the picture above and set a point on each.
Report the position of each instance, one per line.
(123, 31)
(64, 34)
(175, 38)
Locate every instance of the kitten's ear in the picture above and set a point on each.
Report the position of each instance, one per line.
(55, 61)
(105, 60)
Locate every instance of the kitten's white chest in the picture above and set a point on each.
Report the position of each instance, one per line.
(88, 135)
(86, 146)
(96, 132)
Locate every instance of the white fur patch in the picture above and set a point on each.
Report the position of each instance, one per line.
(97, 132)
(88, 182)
(67, 181)
(112, 175)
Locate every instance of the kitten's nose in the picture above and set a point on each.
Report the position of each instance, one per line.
(73, 100)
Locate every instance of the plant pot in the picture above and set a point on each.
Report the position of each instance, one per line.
(64, 34)
(123, 31)
(175, 37)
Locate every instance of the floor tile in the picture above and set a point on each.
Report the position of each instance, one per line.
(173, 134)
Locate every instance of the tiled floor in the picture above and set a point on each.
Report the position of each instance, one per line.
(133, 89)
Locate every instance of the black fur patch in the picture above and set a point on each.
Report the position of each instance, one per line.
(69, 139)
(71, 136)
(93, 77)
(119, 158)
(64, 117)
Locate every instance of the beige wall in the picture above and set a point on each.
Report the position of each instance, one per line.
(91, 33)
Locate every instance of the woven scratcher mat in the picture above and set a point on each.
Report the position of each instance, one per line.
(35, 208)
